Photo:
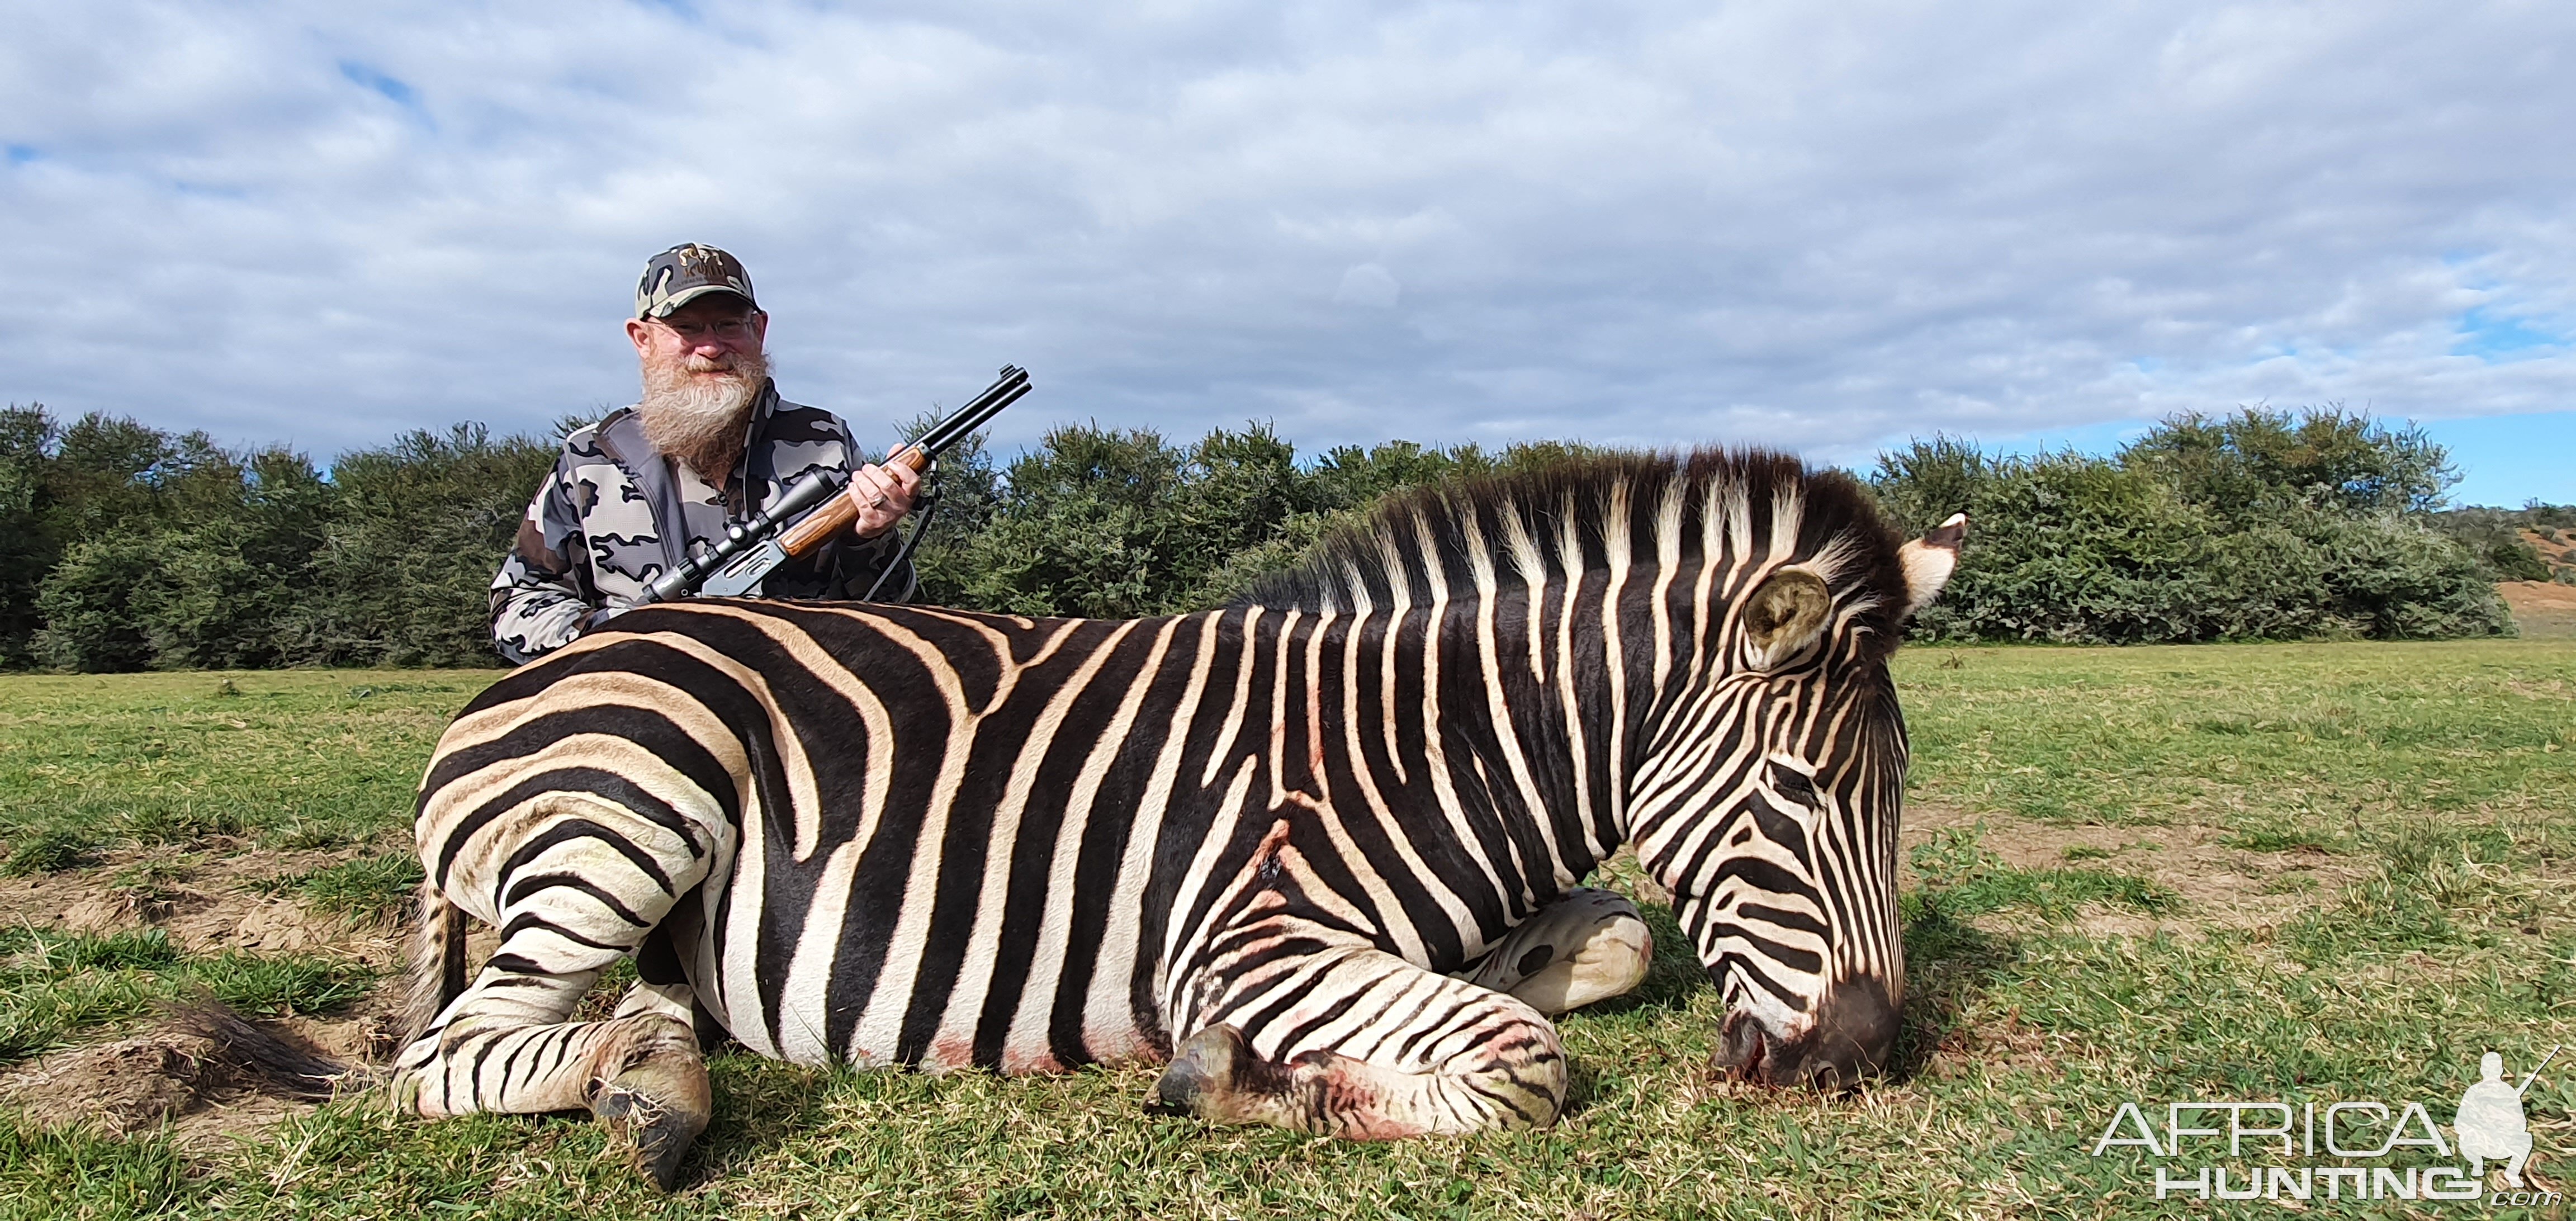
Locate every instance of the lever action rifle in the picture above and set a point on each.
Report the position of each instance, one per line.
(2535, 1072)
(735, 565)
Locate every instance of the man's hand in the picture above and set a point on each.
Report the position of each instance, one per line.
(883, 495)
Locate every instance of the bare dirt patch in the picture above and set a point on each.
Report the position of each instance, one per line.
(209, 1076)
(2543, 609)
(2221, 887)
(2537, 596)
(208, 1079)
(363, 1033)
(213, 906)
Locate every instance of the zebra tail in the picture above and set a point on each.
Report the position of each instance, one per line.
(437, 974)
(245, 1054)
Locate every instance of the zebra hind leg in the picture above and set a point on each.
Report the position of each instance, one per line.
(659, 1098)
(503, 1045)
(1589, 946)
(1358, 1043)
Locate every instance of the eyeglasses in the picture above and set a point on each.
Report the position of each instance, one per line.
(730, 330)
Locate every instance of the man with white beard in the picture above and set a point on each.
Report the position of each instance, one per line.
(656, 483)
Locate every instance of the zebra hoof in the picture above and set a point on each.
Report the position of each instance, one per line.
(1215, 1076)
(658, 1105)
(659, 1132)
(1587, 947)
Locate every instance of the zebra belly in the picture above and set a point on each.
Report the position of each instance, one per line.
(800, 962)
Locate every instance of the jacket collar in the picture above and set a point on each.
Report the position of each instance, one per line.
(621, 437)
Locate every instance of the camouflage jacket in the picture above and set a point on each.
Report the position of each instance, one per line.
(595, 534)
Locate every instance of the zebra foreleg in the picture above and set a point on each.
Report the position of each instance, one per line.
(569, 906)
(1372, 1047)
(1589, 946)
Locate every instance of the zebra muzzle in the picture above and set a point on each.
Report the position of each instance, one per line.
(1851, 1038)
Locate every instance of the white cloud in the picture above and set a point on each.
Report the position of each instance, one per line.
(1369, 285)
(1824, 226)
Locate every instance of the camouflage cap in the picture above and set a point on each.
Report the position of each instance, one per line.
(685, 273)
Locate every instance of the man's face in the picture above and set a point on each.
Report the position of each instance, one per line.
(704, 338)
(703, 370)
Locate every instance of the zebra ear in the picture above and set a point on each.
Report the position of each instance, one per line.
(1930, 560)
(1785, 614)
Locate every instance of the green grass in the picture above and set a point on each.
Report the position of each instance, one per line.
(290, 759)
(2314, 737)
(51, 850)
(1964, 879)
(2412, 807)
(46, 1174)
(55, 987)
(2277, 840)
(370, 887)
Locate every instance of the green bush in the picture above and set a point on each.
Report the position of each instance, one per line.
(1113, 524)
(1083, 531)
(26, 551)
(89, 605)
(2398, 579)
(2072, 550)
(2255, 463)
(2495, 536)
(198, 580)
(2256, 526)
(402, 575)
(127, 548)
(130, 549)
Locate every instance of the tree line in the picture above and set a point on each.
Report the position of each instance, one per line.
(124, 547)
(2257, 525)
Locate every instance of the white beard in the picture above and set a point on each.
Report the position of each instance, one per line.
(700, 419)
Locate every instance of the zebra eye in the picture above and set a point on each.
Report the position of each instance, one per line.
(1788, 783)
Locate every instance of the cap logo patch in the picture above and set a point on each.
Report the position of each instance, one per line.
(685, 273)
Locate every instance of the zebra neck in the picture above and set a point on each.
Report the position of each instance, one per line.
(1563, 686)
(1531, 718)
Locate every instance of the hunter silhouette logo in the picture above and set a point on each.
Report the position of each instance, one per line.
(2349, 1149)
(2490, 1122)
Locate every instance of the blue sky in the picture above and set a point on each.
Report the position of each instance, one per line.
(2506, 460)
(1825, 227)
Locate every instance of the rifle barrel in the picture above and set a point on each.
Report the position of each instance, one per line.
(965, 420)
(2534, 1075)
(979, 418)
(949, 429)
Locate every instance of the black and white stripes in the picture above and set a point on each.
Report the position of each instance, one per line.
(1269, 842)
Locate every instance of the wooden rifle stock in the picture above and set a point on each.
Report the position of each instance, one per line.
(738, 563)
(842, 511)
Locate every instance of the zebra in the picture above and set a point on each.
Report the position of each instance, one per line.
(1319, 851)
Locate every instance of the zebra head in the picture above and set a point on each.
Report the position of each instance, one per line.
(1768, 799)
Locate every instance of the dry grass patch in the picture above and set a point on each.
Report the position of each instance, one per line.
(2217, 885)
(207, 902)
(198, 1078)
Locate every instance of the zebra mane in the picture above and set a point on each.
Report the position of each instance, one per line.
(1468, 538)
